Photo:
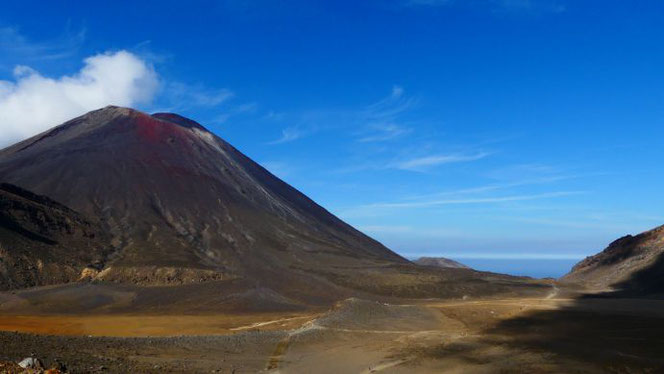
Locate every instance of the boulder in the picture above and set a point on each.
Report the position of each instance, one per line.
(31, 363)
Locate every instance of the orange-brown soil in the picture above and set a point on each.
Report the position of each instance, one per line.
(149, 325)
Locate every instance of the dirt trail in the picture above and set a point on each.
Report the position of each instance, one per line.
(457, 324)
(282, 346)
(385, 365)
(260, 324)
(553, 292)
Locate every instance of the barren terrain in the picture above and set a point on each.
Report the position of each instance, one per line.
(555, 332)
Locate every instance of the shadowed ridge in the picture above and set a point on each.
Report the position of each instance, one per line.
(43, 242)
(624, 264)
(23, 193)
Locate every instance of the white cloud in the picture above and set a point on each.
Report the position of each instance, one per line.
(234, 111)
(481, 200)
(383, 132)
(397, 91)
(14, 45)
(381, 119)
(421, 163)
(181, 96)
(375, 122)
(496, 186)
(388, 108)
(288, 135)
(33, 103)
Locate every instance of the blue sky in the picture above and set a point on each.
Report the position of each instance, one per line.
(478, 128)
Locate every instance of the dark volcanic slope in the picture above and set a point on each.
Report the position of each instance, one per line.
(181, 204)
(44, 242)
(632, 264)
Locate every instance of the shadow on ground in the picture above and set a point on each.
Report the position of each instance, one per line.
(588, 331)
(615, 332)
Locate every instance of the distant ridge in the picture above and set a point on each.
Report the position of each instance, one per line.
(440, 262)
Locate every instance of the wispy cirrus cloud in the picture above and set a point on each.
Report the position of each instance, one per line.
(375, 122)
(17, 46)
(387, 208)
(379, 121)
(305, 123)
(185, 98)
(289, 134)
(417, 164)
(235, 111)
(388, 107)
(476, 200)
(495, 187)
(502, 194)
(423, 163)
(181, 96)
(384, 132)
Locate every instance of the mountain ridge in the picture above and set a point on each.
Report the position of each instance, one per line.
(630, 264)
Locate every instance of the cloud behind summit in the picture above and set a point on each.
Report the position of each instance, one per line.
(32, 103)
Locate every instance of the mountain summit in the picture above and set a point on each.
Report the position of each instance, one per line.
(181, 204)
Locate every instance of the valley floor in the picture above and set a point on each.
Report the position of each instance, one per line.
(552, 334)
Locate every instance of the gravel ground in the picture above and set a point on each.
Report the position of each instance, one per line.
(240, 353)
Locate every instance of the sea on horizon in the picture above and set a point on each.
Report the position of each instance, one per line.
(536, 268)
(531, 267)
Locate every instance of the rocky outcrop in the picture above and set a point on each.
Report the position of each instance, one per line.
(632, 264)
(44, 242)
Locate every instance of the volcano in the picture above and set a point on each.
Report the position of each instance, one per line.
(180, 204)
(171, 204)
